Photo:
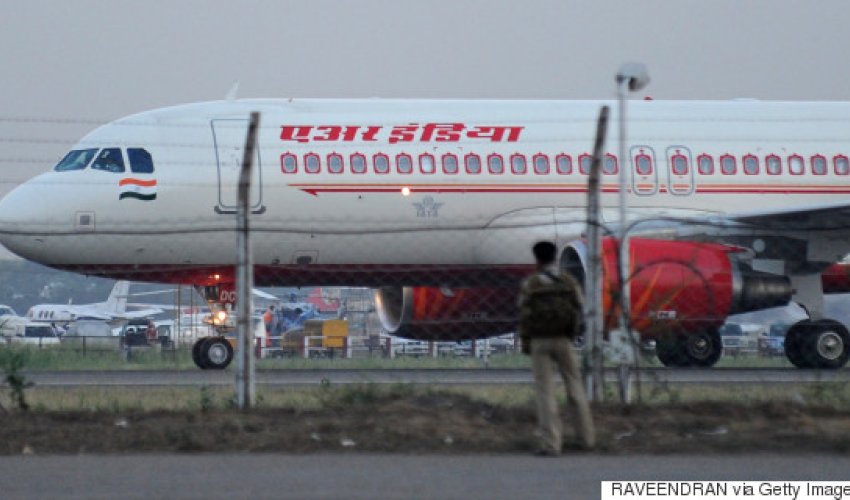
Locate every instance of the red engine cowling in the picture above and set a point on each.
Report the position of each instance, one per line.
(683, 285)
(429, 313)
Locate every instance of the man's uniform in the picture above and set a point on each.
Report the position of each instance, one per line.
(549, 352)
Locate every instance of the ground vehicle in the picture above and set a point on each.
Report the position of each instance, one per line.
(323, 337)
(773, 343)
(34, 334)
(736, 341)
(139, 332)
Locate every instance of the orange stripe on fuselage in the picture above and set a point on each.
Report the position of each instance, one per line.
(137, 182)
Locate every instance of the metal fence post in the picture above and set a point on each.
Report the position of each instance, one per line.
(245, 388)
(593, 286)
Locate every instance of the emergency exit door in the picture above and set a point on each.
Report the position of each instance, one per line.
(229, 138)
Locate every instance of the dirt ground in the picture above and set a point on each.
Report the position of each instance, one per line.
(433, 423)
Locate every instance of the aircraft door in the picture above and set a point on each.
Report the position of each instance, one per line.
(679, 170)
(644, 170)
(229, 138)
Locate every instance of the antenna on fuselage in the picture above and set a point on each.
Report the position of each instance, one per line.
(231, 94)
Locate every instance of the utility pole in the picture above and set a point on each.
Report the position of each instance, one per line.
(245, 388)
(593, 280)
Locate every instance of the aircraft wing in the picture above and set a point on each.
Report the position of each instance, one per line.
(87, 312)
(835, 217)
(140, 313)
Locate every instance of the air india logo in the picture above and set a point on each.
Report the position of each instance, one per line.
(137, 188)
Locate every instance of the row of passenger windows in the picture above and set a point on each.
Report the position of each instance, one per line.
(107, 159)
(403, 163)
(679, 164)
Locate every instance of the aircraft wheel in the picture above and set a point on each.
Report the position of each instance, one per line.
(217, 353)
(827, 345)
(794, 344)
(702, 348)
(197, 348)
(669, 349)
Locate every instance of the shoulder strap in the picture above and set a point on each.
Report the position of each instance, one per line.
(549, 274)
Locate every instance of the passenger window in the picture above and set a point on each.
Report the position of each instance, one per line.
(335, 163)
(449, 163)
(751, 165)
(841, 165)
(584, 162)
(140, 161)
(382, 163)
(473, 164)
(518, 164)
(818, 165)
(288, 163)
(563, 164)
(426, 164)
(773, 165)
(609, 165)
(110, 160)
(495, 164)
(705, 164)
(311, 163)
(541, 164)
(643, 163)
(404, 163)
(75, 160)
(358, 163)
(796, 165)
(680, 164)
(728, 165)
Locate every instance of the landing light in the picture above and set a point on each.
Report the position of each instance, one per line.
(220, 318)
(405, 191)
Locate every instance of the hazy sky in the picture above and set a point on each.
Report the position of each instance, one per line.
(68, 65)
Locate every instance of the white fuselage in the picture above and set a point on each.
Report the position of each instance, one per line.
(182, 214)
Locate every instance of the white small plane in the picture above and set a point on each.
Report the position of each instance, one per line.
(114, 309)
(737, 206)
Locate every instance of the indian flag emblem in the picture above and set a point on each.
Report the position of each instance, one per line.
(137, 188)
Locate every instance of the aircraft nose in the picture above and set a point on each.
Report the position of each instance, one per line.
(24, 213)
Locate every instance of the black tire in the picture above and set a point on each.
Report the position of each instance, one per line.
(703, 347)
(197, 348)
(827, 345)
(669, 349)
(216, 353)
(793, 344)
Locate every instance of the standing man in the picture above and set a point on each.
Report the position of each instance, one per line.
(550, 318)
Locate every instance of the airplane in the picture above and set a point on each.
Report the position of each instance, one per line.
(114, 309)
(734, 206)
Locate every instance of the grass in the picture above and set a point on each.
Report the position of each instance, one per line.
(116, 399)
(62, 358)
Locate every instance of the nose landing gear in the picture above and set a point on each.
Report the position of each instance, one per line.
(215, 353)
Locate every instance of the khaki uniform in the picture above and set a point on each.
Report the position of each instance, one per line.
(548, 353)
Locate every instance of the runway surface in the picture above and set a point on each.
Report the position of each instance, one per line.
(421, 376)
(371, 476)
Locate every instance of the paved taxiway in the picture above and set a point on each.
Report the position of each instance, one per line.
(370, 476)
(420, 376)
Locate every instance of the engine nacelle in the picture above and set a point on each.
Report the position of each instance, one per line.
(683, 285)
(429, 313)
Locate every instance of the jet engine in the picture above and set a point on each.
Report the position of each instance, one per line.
(681, 285)
(431, 313)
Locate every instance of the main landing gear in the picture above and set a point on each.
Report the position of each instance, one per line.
(821, 343)
(701, 348)
(212, 353)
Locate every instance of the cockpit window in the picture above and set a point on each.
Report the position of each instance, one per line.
(75, 160)
(109, 159)
(140, 161)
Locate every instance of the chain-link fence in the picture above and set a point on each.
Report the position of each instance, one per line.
(415, 221)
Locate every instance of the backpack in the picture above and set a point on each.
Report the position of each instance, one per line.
(551, 309)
